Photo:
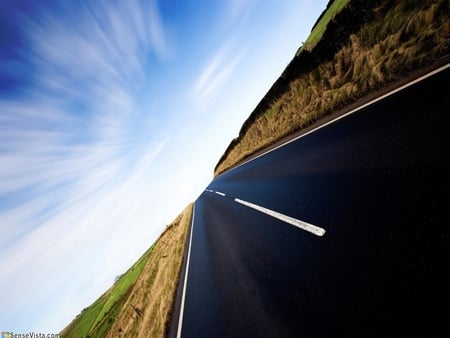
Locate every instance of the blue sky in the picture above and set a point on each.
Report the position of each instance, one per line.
(113, 115)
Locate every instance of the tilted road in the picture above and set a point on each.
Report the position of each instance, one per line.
(364, 250)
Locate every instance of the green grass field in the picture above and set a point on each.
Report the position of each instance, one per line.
(98, 317)
(319, 29)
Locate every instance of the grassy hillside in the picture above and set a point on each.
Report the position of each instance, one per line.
(365, 47)
(333, 8)
(141, 301)
(91, 317)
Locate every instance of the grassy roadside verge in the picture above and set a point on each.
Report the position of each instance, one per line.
(140, 303)
(368, 45)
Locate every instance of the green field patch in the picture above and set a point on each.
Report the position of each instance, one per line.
(97, 318)
(321, 25)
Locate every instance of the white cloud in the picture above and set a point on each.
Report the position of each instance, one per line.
(76, 198)
(215, 74)
(95, 226)
(240, 9)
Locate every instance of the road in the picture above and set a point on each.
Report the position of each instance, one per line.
(374, 185)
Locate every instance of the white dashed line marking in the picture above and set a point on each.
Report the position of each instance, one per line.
(293, 221)
(219, 193)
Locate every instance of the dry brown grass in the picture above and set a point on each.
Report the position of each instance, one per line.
(404, 37)
(147, 308)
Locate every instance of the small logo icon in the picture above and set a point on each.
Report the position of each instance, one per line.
(6, 335)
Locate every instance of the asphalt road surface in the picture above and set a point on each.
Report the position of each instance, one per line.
(366, 252)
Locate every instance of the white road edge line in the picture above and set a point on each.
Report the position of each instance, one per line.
(423, 77)
(219, 193)
(183, 297)
(291, 220)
